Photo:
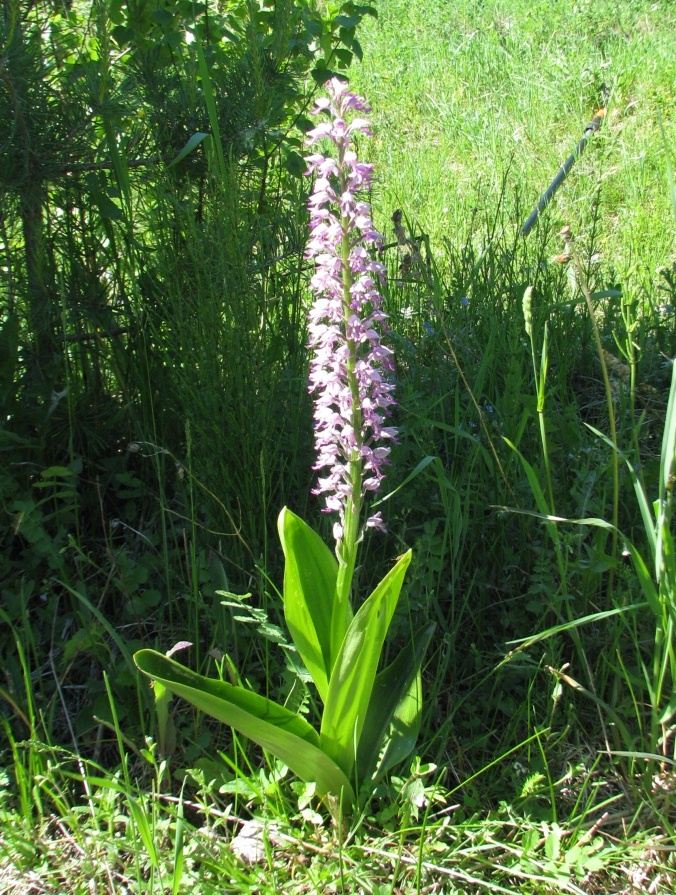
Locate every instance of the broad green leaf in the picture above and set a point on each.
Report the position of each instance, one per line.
(163, 17)
(287, 736)
(310, 574)
(347, 22)
(354, 672)
(176, 677)
(404, 728)
(162, 703)
(321, 74)
(108, 208)
(295, 164)
(395, 707)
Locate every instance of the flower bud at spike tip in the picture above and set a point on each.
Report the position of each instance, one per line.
(528, 310)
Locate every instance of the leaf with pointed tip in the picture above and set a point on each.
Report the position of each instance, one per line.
(310, 574)
(286, 735)
(354, 672)
(403, 732)
(395, 708)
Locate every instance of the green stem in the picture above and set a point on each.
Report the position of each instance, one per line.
(611, 415)
(347, 546)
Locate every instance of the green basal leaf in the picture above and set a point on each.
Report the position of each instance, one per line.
(286, 735)
(310, 574)
(393, 716)
(176, 678)
(404, 729)
(355, 669)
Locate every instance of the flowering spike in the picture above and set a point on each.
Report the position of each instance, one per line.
(351, 370)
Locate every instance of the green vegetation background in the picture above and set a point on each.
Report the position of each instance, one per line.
(155, 418)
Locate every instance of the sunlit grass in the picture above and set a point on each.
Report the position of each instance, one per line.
(418, 838)
(476, 100)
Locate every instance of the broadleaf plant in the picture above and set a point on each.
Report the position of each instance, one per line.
(371, 718)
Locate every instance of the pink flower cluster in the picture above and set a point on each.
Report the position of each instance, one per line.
(351, 370)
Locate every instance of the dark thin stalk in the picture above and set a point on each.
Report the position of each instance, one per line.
(563, 171)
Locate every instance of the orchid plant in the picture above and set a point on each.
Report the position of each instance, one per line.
(370, 718)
